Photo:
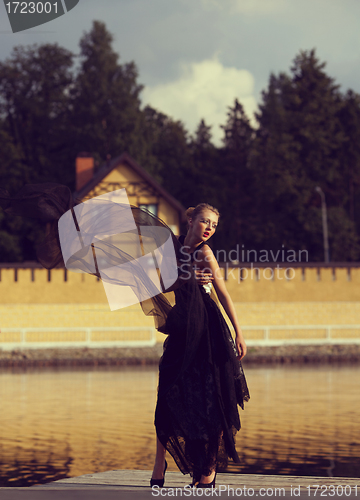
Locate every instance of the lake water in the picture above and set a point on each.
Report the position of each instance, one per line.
(64, 423)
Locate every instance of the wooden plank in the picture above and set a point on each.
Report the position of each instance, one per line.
(141, 478)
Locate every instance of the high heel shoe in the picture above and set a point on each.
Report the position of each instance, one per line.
(159, 482)
(195, 480)
(207, 485)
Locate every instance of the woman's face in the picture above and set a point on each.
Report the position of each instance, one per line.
(204, 225)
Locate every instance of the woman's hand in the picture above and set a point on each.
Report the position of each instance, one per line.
(240, 345)
(202, 277)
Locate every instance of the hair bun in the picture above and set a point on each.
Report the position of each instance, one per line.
(189, 212)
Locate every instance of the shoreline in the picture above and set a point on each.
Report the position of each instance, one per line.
(142, 356)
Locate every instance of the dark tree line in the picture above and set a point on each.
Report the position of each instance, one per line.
(54, 104)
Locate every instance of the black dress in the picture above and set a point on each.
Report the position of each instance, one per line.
(201, 382)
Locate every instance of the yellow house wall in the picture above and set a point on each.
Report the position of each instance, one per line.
(124, 174)
(169, 216)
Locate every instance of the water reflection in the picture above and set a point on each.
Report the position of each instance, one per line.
(302, 421)
(20, 467)
(58, 423)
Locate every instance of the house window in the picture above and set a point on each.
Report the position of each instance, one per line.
(151, 207)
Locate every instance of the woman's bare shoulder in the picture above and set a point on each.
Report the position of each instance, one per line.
(206, 253)
(205, 249)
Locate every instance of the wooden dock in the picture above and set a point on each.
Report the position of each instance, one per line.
(134, 485)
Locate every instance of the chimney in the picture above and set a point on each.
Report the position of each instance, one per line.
(84, 169)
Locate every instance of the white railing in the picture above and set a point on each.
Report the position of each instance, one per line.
(43, 338)
(327, 334)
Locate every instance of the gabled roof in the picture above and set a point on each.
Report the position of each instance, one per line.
(127, 160)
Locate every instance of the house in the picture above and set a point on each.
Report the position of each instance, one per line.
(142, 190)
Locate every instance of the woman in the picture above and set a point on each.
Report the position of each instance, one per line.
(201, 381)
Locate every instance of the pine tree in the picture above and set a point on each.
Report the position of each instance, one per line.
(349, 116)
(34, 87)
(235, 168)
(298, 147)
(34, 134)
(169, 155)
(106, 106)
(205, 176)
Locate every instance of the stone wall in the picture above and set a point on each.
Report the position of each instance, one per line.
(302, 296)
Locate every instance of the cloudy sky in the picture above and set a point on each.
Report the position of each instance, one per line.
(195, 56)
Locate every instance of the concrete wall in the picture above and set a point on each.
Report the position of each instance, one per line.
(289, 284)
(38, 298)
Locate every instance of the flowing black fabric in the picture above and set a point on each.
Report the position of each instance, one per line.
(49, 201)
(201, 382)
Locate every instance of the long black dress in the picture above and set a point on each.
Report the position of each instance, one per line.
(201, 382)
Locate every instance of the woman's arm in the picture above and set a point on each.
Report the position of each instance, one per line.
(208, 263)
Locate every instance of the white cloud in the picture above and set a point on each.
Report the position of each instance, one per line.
(204, 91)
(261, 7)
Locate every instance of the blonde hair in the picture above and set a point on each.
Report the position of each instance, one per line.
(193, 212)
